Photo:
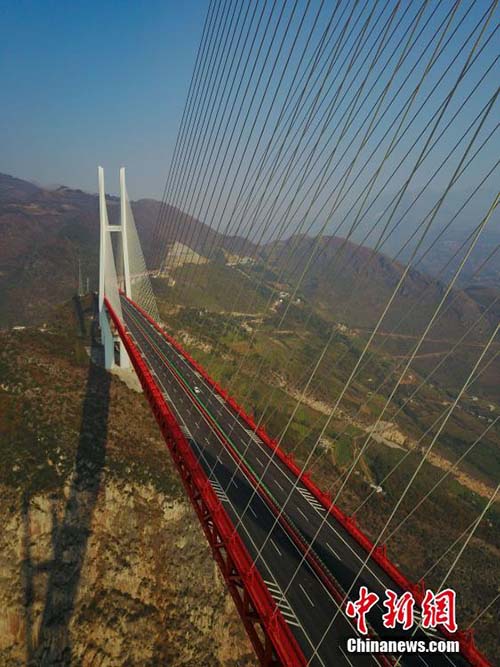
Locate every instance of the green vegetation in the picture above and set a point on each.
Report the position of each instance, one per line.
(57, 409)
(269, 357)
(213, 287)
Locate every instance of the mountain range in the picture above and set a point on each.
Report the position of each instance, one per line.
(45, 233)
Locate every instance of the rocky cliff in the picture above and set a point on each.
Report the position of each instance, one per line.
(102, 561)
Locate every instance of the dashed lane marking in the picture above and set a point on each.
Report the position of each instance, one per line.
(306, 594)
(275, 546)
(332, 550)
(305, 517)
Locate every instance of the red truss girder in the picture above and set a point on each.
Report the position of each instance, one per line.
(468, 647)
(270, 635)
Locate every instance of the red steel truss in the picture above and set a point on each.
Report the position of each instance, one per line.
(270, 635)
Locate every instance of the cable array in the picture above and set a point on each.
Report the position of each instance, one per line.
(140, 281)
(315, 137)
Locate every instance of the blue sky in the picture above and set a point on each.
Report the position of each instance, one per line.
(94, 82)
(104, 82)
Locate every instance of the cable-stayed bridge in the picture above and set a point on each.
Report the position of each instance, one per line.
(289, 556)
(322, 136)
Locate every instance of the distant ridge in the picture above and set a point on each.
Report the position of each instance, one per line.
(44, 232)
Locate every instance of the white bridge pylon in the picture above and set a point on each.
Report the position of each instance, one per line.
(132, 276)
(108, 282)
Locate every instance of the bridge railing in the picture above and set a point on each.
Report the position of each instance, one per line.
(251, 595)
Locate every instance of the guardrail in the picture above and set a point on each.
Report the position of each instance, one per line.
(250, 594)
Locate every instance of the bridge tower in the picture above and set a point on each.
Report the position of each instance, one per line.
(108, 282)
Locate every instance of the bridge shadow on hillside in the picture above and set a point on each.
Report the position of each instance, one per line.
(70, 534)
(80, 314)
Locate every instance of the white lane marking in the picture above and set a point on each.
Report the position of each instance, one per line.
(345, 655)
(264, 561)
(278, 484)
(306, 594)
(274, 545)
(252, 435)
(282, 603)
(289, 479)
(305, 517)
(289, 616)
(259, 461)
(311, 499)
(332, 550)
(219, 491)
(253, 511)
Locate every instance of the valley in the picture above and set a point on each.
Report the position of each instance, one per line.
(259, 335)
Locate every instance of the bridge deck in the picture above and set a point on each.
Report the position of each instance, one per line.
(232, 457)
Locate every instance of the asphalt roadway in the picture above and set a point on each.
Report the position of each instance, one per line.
(301, 583)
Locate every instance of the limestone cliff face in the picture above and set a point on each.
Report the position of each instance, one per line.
(143, 592)
(102, 560)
